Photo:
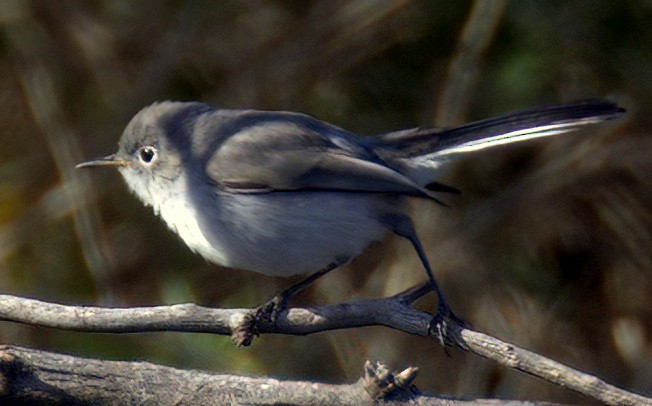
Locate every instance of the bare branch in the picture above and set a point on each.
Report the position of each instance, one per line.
(395, 312)
(34, 376)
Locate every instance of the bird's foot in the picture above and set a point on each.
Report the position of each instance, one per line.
(446, 327)
(265, 314)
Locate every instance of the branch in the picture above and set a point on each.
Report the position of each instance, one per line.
(395, 312)
(29, 376)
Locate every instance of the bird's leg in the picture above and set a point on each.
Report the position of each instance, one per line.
(269, 311)
(441, 325)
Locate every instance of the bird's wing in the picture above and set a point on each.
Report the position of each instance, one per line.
(292, 156)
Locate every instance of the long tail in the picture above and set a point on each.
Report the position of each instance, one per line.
(518, 126)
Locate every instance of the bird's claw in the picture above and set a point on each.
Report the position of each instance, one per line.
(445, 327)
(265, 314)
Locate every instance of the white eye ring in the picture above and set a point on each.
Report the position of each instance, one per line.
(147, 155)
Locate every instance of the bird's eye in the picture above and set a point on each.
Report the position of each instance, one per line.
(147, 155)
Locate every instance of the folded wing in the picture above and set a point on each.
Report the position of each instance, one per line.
(290, 156)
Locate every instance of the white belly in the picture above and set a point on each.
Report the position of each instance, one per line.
(279, 234)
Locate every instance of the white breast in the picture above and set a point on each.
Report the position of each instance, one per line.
(182, 217)
(278, 234)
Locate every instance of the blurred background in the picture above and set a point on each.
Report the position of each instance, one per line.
(548, 247)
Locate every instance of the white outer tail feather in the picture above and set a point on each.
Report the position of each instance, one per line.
(516, 136)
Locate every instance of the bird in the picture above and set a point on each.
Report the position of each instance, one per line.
(283, 193)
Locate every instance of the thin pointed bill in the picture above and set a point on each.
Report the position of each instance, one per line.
(110, 160)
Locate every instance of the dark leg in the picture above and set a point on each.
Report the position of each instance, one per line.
(440, 326)
(270, 310)
(303, 284)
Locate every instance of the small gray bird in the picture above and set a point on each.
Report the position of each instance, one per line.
(283, 193)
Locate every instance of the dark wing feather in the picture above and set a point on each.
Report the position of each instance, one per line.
(288, 156)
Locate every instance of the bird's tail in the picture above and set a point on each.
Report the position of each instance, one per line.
(428, 147)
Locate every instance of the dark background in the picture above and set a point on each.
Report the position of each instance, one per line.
(548, 247)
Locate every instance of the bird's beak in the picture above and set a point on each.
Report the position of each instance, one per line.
(110, 160)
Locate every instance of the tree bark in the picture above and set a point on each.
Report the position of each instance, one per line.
(395, 312)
